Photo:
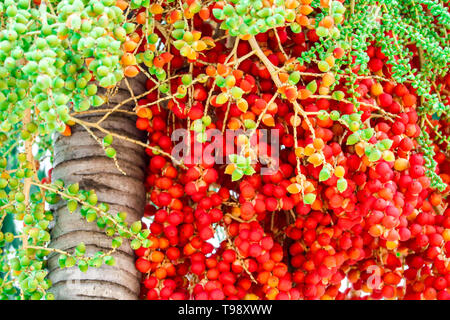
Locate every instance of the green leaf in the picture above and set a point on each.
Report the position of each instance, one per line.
(92, 199)
(109, 260)
(70, 262)
(121, 216)
(80, 250)
(366, 134)
(73, 188)
(334, 115)
(206, 120)
(233, 158)
(374, 155)
(249, 124)
(136, 227)
(110, 152)
(312, 86)
(324, 174)
(197, 125)
(341, 185)
(96, 262)
(352, 139)
(72, 205)
(237, 92)
(101, 222)
(62, 261)
(309, 198)
(135, 244)
(249, 171)
(236, 175)
(242, 162)
(294, 77)
(108, 140)
(218, 13)
(116, 242)
(146, 243)
(145, 233)
(91, 216)
(201, 137)
(388, 156)
(386, 144)
(338, 95)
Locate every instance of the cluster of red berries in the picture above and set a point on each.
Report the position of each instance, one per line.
(386, 235)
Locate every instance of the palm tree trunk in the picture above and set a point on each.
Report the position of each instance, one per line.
(79, 158)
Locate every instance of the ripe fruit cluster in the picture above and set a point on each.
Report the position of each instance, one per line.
(354, 204)
(353, 200)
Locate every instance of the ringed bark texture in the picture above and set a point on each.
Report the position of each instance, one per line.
(79, 158)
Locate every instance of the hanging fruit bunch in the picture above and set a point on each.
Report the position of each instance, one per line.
(349, 200)
(359, 195)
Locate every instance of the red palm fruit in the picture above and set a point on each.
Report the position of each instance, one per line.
(206, 233)
(409, 100)
(157, 163)
(197, 268)
(192, 174)
(195, 113)
(158, 124)
(216, 215)
(142, 123)
(175, 218)
(216, 294)
(176, 191)
(254, 250)
(161, 215)
(267, 243)
(210, 175)
(151, 282)
(291, 93)
(143, 265)
(200, 93)
(312, 35)
(229, 255)
(246, 86)
(406, 144)
(385, 100)
(247, 190)
(338, 53)
(400, 90)
(375, 65)
(243, 48)
(247, 211)
(164, 199)
(142, 252)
